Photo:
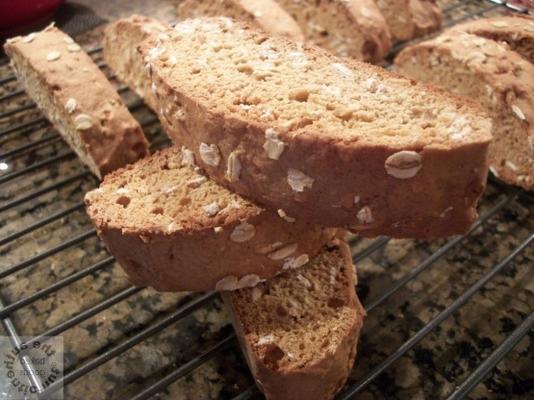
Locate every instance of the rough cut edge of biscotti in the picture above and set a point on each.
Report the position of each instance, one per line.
(436, 203)
(321, 378)
(516, 30)
(362, 20)
(505, 77)
(78, 99)
(266, 14)
(123, 58)
(234, 247)
(408, 19)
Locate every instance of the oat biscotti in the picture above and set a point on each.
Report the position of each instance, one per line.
(347, 28)
(124, 59)
(517, 31)
(173, 229)
(499, 78)
(328, 140)
(266, 14)
(299, 330)
(78, 99)
(408, 19)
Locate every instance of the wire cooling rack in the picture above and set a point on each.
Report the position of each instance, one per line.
(443, 316)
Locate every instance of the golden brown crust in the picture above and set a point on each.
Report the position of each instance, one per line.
(76, 96)
(516, 30)
(200, 254)
(497, 77)
(354, 28)
(438, 201)
(266, 14)
(321, 378)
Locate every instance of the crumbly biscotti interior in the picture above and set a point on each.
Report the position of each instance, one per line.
(483, 69)
(298, 317)
(162, 193)
(272, 82)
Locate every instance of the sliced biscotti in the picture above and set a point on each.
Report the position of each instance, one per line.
(498, 78)
(347, 28)
(299, 330)
(330, 141)
(173, 229)
(78, 99)
(266, 14)
(408, 19)
(517, 31)
(124, 59)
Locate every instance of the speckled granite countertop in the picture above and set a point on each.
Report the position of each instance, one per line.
(431, 370)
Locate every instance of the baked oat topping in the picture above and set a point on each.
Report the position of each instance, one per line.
(404, 164)
(53, 55)
(283, 252)
(298, 180)
(243, 232)
(83, 122)
(209, 153)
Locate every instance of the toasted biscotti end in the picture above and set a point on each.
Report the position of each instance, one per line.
(266, 14)
(516, 30)
(123, 58)
(78, 99)
(408, 19)
(348, 28)
(331, 141)
(499, 78)
(299, 330)
(173, 229)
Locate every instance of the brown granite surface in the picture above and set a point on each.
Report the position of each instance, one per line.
(431, 370)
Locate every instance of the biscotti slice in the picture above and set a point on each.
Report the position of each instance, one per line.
(408, 19)
(517, 31)
(330, 141)
(498, 78)
(124, 59)
(173, 229)
(347, 28)
(299, 330)
(78, 99)
(266, 14)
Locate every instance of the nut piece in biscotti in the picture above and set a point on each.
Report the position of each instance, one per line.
(314, 132)
(266, 14)
(499, 78)
(347, 28)
(173, 229)
(516, 30)
(78, 99)
(299, 330)
(408, 19)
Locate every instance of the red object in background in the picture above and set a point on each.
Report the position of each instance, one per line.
(20, 16)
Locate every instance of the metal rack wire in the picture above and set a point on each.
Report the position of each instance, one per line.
(20, 168)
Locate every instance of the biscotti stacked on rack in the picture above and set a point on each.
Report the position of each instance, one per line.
(490, 61)
(78, 99)
(309, 141)
(278, 146)
(340, 143)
